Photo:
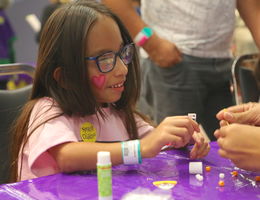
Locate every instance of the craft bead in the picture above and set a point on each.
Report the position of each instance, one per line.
(257, 178)
(234, 173)
(221, 183)
(207, 168)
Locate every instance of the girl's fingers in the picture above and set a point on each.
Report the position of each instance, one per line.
(204, 150)
(200, 148)
(181, 132)
(193, 152)
(199, 152)
(185, 121)
(198, 138)
(177, 141)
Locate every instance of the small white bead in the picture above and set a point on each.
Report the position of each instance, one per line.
(199, 177)
(221, 175)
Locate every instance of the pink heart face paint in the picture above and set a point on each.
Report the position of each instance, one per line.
(98, 81)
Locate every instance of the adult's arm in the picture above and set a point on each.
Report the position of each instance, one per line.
(161, 51)
(250, 12)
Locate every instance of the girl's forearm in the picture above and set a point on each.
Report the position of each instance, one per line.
(78, 156)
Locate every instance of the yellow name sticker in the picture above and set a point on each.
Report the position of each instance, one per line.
(88, 132)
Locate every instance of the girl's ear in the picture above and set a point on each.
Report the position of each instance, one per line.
(57, 76)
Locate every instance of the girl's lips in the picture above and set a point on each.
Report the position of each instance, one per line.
(119, 89)
(118, 85)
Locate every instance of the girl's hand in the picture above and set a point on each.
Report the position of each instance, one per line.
(176, 130)
(201, 147)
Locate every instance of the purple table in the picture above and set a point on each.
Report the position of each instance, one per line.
(168, 165)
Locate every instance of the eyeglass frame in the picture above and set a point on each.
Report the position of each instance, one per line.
(116, 54)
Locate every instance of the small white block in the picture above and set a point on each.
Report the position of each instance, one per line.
(221, 175)
(195, 168)
(193, 116)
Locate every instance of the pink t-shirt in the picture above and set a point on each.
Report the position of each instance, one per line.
(36, 159)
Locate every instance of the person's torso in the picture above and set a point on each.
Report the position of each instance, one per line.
(198, 28)
(63, 128)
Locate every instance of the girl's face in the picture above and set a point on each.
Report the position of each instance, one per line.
(105, 37)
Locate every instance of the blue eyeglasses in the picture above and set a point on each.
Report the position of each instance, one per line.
(107, 61)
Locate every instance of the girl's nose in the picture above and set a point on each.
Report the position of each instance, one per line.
(121, 68)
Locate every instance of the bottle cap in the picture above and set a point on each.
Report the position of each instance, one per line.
(103, 158)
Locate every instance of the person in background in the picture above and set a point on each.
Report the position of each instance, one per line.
(47, 11)
(83, 100)
(257, 75)
(239, 135)
(7, 38)
(186, 66)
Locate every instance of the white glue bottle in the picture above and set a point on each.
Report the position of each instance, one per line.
(104, 175)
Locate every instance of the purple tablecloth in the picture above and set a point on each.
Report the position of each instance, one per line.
(168, 165)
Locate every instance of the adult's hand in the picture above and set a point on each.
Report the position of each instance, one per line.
(240, 144)
(163, 52)
(248, 113)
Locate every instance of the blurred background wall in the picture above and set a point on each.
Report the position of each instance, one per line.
(25, 45)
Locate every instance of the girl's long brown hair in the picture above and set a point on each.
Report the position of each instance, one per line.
(62, 44)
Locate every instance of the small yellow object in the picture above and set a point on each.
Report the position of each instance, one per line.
(88, 132)
(234, 173)
(165, 185)
(221, 183)
(257, 178)
(2, 20)
(207, 168)
(21, 84)
(10, 85)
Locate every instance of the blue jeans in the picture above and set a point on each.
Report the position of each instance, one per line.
(195, 85)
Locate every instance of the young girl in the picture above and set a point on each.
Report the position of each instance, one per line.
(85, 89)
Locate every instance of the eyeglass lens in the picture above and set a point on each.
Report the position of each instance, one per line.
(107, 61)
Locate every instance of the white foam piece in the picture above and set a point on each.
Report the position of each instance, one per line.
(199, 177)
(195, 168)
